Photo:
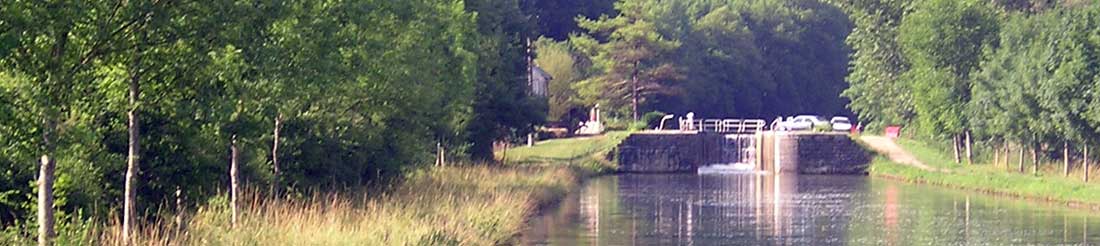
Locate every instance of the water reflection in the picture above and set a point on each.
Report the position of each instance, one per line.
(685, 209)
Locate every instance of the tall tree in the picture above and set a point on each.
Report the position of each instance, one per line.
(502, 107)
(876, 92)
(632, 60)
(54, 46)
(944, 40)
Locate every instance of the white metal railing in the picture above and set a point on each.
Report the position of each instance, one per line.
(723, 125)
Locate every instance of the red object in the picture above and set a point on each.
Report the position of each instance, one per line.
(893, 131)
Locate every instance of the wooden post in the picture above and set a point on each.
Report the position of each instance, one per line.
(1085, 163)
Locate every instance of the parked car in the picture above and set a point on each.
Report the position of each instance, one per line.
(805, 123)
(841, 124)
(782, 124)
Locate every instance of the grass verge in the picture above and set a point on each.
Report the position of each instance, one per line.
(469, 205)
(462, 205)
(588, 153)
(988, 178)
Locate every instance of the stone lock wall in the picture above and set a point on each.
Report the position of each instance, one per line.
(668, 152)
(804, 153)
(830, 154)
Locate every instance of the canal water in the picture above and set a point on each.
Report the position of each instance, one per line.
(747, 209)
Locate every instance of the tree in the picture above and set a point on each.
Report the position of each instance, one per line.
(501, 107)
(54, 46)
(944, 40)
(561, 62)
(875, 90)
(631, 60)
(556, 19)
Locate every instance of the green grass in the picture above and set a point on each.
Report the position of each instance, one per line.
(1045, 185)
(464, 205)
(590, 153)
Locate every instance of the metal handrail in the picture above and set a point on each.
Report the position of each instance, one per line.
(723, 125)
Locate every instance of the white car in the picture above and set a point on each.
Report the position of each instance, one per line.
(841, 124)
(805, 123)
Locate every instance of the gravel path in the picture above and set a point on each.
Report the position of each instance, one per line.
(887, 147)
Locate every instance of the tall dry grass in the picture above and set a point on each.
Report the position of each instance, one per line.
(472, 205)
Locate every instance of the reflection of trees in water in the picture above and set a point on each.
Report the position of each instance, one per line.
(687, 209)
(814, 210)
(905, 214)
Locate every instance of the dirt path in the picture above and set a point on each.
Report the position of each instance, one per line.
(886, 146)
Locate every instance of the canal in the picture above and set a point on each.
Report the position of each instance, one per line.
(747, 209)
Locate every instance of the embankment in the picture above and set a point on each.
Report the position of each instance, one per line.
(986, 178)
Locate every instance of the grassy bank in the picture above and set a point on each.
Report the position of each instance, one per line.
(587, 153)
(471, 205)
(1049, 184)
(461, 205)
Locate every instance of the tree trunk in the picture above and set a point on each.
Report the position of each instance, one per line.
(275, 152)
(234, 183)
(1065, 158)
(955, 147)
(133, 153)
(1020, 161)
(997, 156)
(1035, 160)
(179, 209)
(969, 153)
(45, 195)
(132, 167)
(634, 91)
(1085, 163)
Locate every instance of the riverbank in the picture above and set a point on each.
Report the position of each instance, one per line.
(987, 178)
(458, 205)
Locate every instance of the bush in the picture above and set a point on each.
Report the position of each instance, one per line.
(652, 119)
(616, 124)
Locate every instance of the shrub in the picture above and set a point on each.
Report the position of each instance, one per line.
(652, 119)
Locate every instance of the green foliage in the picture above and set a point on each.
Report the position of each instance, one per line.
(562, 63)
(365, 90)
(634, 63)
(876, 92)
(757, 58)
(556, 19)
(1009, 73)
(944, 41)
(502, 108)
(651, 119)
